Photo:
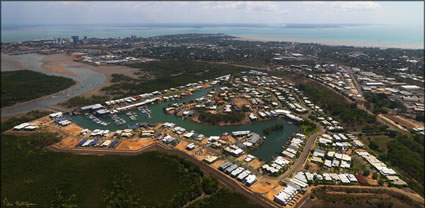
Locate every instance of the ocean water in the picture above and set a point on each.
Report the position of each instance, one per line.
(397, 36)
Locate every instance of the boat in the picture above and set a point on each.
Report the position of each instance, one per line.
(118, 120)
(132, 116)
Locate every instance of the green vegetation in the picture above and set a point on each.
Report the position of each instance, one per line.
(420, 117)
(335, 103)
(366, 173)
(376, 130)
(343, 196)
(308, 128)
(210, 118)
(121, 196)
(373, 145)
(381, 103)
(25, 85)
(375, 175)
(169, 74)
(50, 179)
(78, 101)
(223, 198)
(121, 77)
(407, 155)
(32, 115)
(209, 184)
(268, 130)
(403, 152)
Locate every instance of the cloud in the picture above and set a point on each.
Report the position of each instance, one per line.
(313, 2)
(250, 6)
(360, 5)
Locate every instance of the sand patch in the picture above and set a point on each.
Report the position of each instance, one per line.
(408, 123)
(68, 142)
(73, 129)
(59, 62)
(240, 102)
(134, 144)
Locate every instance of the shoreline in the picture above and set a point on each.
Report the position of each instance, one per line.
(352, 43)
(36, 99)
(59, 63)
(52, 66)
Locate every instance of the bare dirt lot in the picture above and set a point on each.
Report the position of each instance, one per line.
(68, 142)
(385, 118)
(266, 187)
(73, 129)
(240, 102)
(134, 144)
(408, 123)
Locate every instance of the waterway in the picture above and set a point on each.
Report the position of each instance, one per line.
(86, 81)
(271, 147)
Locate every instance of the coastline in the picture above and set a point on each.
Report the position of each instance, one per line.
(353, 43)
(59, 62)
(36, 99)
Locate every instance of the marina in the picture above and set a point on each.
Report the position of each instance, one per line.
(155, 114)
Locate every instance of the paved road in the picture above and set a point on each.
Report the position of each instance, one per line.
(299, 164)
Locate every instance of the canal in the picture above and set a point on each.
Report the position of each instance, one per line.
(271, 147)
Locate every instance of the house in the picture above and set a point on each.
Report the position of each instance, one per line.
(190, 146)
(253, 138)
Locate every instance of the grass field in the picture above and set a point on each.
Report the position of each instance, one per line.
(381, 141)
(25, 85)
(48, 179)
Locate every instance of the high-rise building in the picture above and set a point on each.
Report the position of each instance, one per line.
(75, 39)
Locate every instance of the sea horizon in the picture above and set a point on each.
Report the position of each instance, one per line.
(357, 35)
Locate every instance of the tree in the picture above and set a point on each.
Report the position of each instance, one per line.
(375, 175)
(209, 184)
(122, 194)
(373, 145)
(366, 172)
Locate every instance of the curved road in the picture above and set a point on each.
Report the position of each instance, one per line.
(299, 164)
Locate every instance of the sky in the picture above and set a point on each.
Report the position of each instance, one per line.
(225, 12)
